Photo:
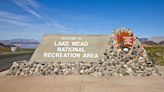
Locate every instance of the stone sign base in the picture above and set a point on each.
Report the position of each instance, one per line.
(115, 62)
(101, 68)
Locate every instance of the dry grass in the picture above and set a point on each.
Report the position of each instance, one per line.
(7, 49)
(156, 53)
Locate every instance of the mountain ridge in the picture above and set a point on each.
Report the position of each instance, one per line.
(32, 43)
(22, 43)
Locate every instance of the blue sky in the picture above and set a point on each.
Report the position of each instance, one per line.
(32, 19)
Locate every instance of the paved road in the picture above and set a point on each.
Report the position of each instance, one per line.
(7, 59)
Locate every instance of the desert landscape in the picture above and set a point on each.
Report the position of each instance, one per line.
(81, 46)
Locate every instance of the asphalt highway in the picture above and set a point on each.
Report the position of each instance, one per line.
(6, 60)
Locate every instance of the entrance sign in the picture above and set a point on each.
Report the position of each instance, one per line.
(67, 48)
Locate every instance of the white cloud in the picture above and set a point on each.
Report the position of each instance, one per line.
(23, 22)
(8, 17)
(55, 24)
(29, 6)
(11, 16)
(19, 23)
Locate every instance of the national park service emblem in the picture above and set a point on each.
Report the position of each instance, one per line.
(125, 39)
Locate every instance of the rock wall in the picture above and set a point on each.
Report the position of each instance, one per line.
(115, 62)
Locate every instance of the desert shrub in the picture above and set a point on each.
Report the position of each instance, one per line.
(156, 54)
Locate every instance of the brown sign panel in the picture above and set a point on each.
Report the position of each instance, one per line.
(66, 48)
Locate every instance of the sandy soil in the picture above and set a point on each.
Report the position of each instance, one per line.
(83, 83)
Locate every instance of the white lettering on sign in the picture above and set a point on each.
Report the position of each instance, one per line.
(70, 55)
(78, 43)
(70, 47)
(90, 55)
(61, 43)
(61, 55)
(127, 38)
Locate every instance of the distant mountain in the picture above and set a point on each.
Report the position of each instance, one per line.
(161, 43)
(149, 43)
(3, 45)
(152, 41)
(20, 41)
(23, 43)
(143, 39)
(31, 43)
(157, 39)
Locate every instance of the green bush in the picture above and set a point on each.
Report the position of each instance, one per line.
(156, 54)
(7, 49)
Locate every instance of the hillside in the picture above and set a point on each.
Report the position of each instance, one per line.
(22, 43)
